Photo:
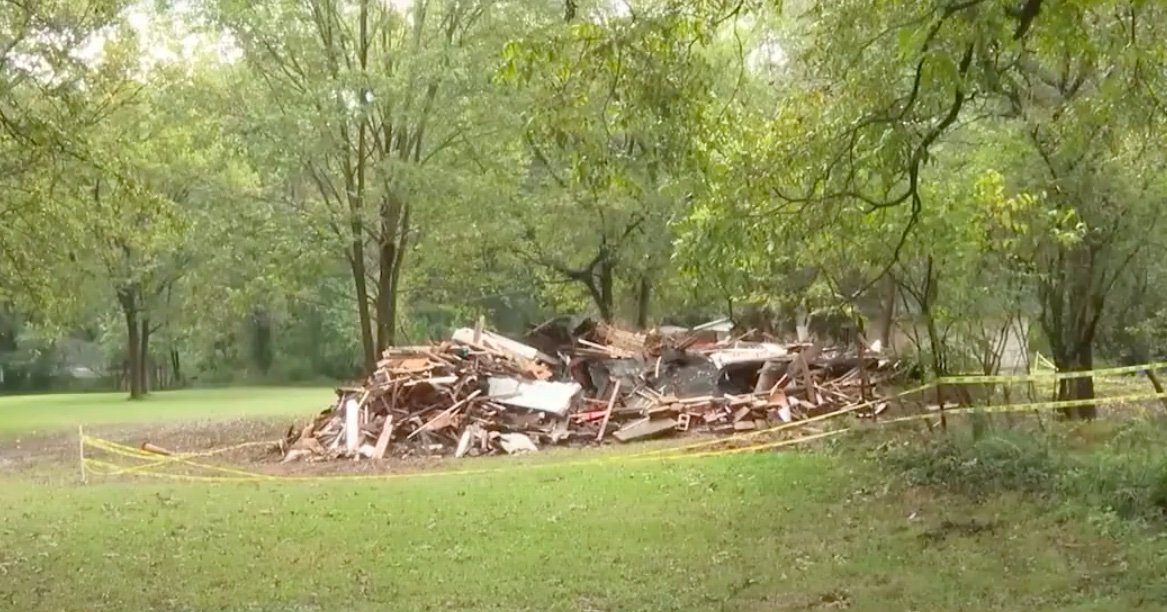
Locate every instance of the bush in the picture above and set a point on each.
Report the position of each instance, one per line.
(1124, 477)
(977, 466)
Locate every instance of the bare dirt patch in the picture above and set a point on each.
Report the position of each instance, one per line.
(35, 453)
(46, 450)
(49, 455)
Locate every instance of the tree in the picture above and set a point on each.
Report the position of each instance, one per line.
(42, 123)
(888, 92)
(153, 191)
(616, 108)
(364, 101)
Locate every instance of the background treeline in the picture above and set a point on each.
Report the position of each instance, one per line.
(223, 191)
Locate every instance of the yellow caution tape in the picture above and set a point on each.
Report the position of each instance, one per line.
(236, 475)
(157, 462)
(1050, 376)
(134, 453)
(785, 426)
(116, 470)
(764, 446)
(947, 380)
(110, 469)
(1033, 406)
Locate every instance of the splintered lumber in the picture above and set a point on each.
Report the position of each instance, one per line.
(480, 393)
(157, 450)
(468, 436)
(445, 414)
(769, 375)
(608, 412)
(500, 344)
(383, 439)
(644, 429)
(624, 341)
(514, 443)
(352, 428)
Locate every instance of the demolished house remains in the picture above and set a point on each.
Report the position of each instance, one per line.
(481, 393)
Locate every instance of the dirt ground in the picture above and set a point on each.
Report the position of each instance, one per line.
(54, 457)
(40, 452)
(50, 455)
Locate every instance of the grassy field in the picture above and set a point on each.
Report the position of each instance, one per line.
(48, 413)
(796, 531)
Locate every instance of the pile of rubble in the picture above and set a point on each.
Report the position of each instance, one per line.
(481, 393)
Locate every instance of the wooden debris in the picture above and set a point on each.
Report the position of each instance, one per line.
(645, 428)
(383, 439)
(481, 393)
(514, 443)
(156, 450)
(608, 413)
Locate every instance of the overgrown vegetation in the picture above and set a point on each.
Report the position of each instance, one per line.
(1115, 471)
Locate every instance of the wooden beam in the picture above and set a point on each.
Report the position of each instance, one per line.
(608, 412)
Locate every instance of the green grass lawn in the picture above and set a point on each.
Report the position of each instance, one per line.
(768, 532)
(47, 413)
(772, 532)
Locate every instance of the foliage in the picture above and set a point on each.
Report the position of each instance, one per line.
(279, 190)
(977, 467)
(615, 111)
(1120, 473)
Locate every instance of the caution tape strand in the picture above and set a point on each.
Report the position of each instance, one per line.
(785, 426)
(155, 463)
(1050, 376)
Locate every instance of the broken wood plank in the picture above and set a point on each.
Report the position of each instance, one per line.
(468, 436)
(608, 412)
(383, 439)
(156, 450)
(644, 429)
(445, 413)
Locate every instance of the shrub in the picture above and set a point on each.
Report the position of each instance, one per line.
(1130, 482)
(977, 466)
(1124, 476)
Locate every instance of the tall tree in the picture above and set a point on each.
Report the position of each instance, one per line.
(44, 51)
(364, 100)
(885, 89)
(616, 107)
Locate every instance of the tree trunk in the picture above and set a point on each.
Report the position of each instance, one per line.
(643, 301)
(391, 254)
(939, 363)
(364, 316)
(607, 294)
(129, 303)
(176, 368)
(395, 276)
(386, 295)
(597, 278)
(1077, 389)
(262, 353)
(1071, 308)
(887, 311)
(144, 355)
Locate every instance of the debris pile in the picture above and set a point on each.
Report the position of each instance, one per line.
(482, 393)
